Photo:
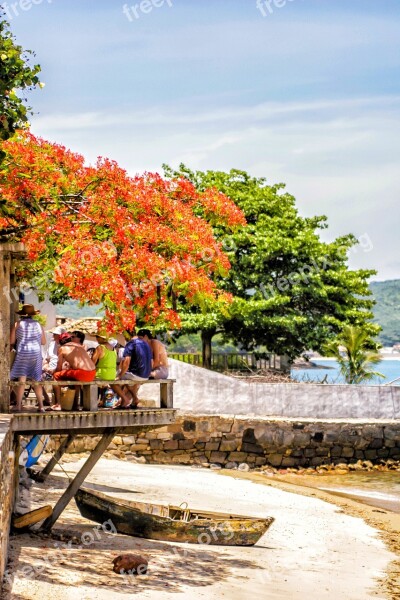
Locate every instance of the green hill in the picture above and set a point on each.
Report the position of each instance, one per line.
(387, 310)
(72, 310)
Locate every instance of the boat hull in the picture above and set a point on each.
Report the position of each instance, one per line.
(165, 523)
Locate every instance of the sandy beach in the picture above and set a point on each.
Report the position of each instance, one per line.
(318, 547)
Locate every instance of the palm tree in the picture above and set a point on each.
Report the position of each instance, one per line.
(352, 350)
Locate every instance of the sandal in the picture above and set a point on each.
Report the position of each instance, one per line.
(41, 410)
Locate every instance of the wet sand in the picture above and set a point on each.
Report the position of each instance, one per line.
(387, 523)
(313, 549)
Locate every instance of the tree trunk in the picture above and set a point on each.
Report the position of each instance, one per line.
(206, 337)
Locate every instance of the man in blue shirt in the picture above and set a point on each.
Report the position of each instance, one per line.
(135, 365)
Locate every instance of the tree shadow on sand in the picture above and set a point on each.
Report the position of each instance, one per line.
(84, 557)
(79, 552)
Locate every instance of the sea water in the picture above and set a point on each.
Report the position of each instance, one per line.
(327, 370)
(379, 489)
(375, 488)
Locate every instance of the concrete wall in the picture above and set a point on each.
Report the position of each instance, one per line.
(7, 476)
(201, 391)
(46, 308)
(204, 439)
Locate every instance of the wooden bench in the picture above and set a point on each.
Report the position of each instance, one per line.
(90, 389)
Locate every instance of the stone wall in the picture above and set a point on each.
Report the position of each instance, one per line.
(277, 442)
(7, 475)
(200, 391)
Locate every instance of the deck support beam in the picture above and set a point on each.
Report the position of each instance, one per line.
(79, 478)
(63, 447)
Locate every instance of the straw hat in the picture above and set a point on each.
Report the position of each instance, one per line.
(27, 310)
(102, 339)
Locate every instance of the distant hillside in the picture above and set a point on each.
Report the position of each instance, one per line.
(72, 310)
(387, 310)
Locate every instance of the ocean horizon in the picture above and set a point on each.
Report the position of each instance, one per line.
(327, 370)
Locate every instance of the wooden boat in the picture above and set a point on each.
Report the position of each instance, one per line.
(171, 523)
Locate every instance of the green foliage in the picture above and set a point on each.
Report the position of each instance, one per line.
(40, 319)
(15, 75)
(191, 342)
(355, 352)
(387, 310)
(291, 291)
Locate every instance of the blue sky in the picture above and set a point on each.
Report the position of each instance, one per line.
(305, 92)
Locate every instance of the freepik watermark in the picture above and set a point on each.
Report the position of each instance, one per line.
(143, 8)
(13, 9)
(58, 554)
(267, 7)
(306, 272)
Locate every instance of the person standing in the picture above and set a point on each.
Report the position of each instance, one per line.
(29, 337)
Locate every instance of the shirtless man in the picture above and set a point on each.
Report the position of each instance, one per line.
(81, 367)
(159, 364)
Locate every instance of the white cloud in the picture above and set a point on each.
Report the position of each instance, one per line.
(338, 158)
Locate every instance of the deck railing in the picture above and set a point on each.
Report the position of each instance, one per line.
(232, 361)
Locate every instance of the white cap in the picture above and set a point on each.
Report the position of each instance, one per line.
(59, 330)
(113, 342)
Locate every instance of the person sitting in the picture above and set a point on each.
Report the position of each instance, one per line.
(79, 338)
(50, 361)
(159, 363)
(51, 358)
(105, 359)
(80, 366)
(135, 365)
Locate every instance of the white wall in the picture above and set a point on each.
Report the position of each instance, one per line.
(46, 308)
(201, 391)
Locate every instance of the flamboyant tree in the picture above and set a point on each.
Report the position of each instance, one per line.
(134, 245)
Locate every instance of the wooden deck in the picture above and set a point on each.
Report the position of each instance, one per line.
(90, 422)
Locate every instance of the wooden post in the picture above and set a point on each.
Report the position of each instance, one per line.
(166, 395)
(79, 479)
(17, 452)
(8, 300)
(5, 310)
(90, 397)
(44, 473)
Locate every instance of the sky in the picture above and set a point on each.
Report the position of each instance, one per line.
(304, 92)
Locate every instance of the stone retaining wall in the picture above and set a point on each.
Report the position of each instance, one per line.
(277, 442)
(7, 476)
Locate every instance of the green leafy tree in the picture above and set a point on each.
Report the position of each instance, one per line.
(16, 75)
(291, 291)
(356, 353)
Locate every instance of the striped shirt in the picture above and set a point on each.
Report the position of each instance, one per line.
(28, 361)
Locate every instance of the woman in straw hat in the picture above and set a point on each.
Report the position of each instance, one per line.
(29, 336)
